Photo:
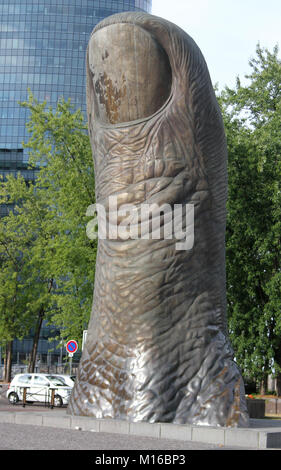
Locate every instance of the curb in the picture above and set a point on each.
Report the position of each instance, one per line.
(258, 437)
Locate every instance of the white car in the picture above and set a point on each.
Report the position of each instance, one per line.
(38, 389)
(68, 379)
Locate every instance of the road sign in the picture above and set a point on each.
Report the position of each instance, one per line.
(71, 347)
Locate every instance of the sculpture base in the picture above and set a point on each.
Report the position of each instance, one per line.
(261, 434)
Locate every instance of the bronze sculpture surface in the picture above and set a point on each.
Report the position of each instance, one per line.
(157, 348)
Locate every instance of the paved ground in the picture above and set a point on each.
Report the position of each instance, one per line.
(35, 407)
(19, 437)
(32, 437)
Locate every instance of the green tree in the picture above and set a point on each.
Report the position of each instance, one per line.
(22, 280)
(59, 144)
(50, 222)
(26, 283)
(252, 114)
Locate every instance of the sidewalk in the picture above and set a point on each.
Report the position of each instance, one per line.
(262, 434)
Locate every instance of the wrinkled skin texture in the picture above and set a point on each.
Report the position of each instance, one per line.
(157, 348)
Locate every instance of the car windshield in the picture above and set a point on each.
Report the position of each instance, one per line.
(57, 381)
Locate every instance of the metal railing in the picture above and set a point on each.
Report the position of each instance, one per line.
(26, 397)
(3, 390)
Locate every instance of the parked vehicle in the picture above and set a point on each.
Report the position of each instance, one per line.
(68, 379)
(38, 389)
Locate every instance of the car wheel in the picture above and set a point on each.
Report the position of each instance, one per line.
(57, 401)
(13, 398)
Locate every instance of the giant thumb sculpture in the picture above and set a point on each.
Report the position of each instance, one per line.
(157, 348)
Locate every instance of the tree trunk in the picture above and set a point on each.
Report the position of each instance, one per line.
(278, 385)
(278, 375)
(263, 385)
(40, 319)
(8, 362)
(33, 353)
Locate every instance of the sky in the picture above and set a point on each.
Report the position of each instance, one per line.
(226, 31)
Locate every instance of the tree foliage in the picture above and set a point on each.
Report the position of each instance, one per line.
(252, 116)
(46, 258)
(60, 144)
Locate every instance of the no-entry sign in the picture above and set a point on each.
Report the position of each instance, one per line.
(71, 346)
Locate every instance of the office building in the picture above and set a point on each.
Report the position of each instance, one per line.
(42, 47)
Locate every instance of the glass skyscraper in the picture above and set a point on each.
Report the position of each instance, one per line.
(42, 47)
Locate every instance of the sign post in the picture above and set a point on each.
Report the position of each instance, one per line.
(71, 347)
(84, 338)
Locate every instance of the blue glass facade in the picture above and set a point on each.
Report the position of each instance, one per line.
(42, 47)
